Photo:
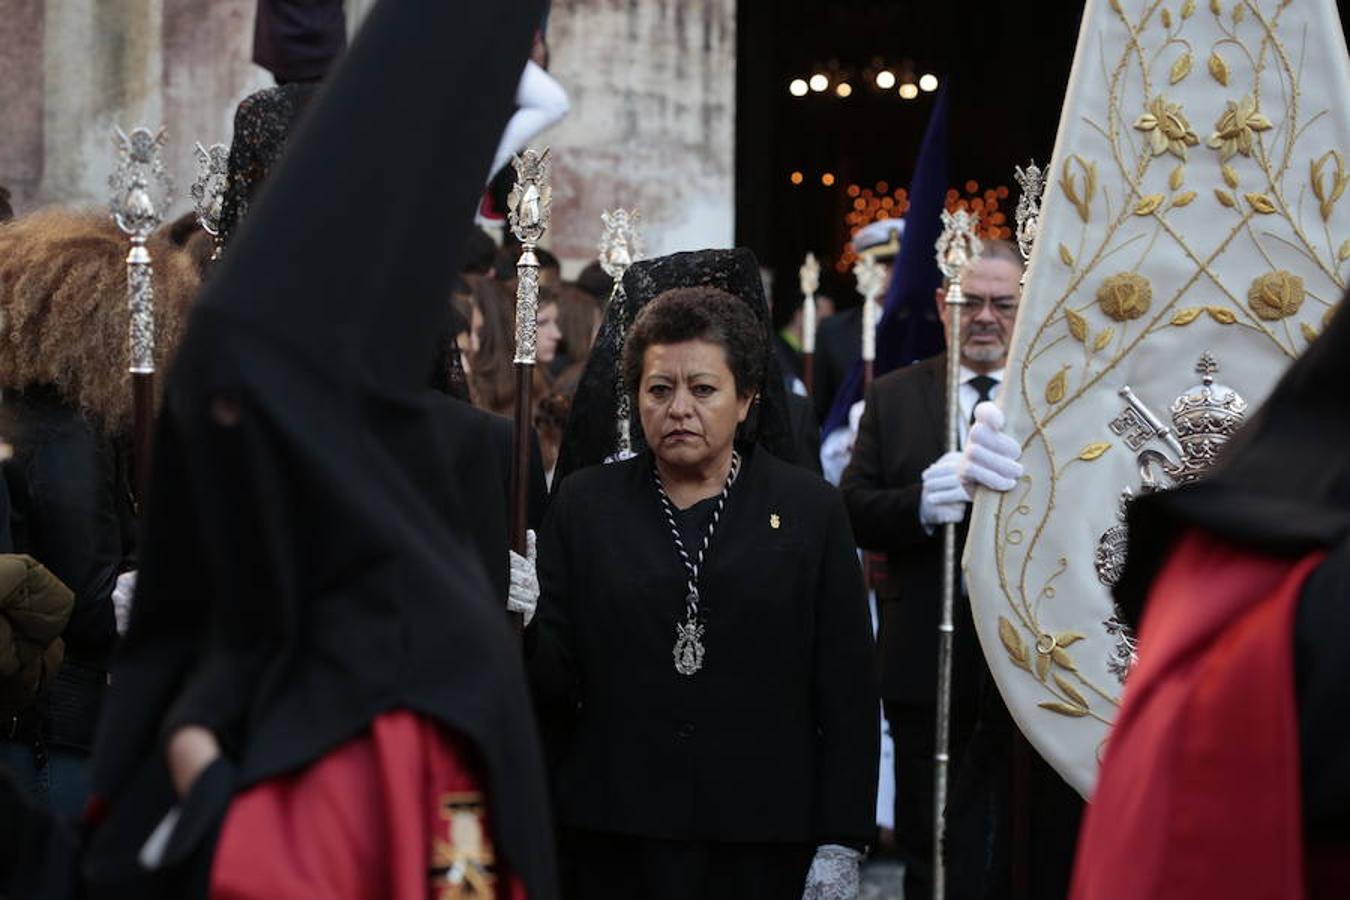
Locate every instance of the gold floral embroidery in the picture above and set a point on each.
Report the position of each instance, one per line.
(1234, 131)
(1276, 295)
(1124, 296)
(1167, 129)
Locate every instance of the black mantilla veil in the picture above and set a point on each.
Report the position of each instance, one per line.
(1281, 486)
(307, 561)
(592, 436)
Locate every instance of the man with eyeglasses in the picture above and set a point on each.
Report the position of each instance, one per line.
(901, 487)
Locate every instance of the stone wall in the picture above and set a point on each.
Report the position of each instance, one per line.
(652, 85)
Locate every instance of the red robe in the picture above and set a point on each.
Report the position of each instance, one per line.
(1199, 795)
(396, 814)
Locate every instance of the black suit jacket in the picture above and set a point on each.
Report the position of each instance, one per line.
(776, 738)
(838, 347)
(900, 435)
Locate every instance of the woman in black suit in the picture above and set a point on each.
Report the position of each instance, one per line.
(703, 626)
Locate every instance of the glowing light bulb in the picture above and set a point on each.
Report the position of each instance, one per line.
(909, 90)
(827, 179)
(796, 177)
(819, 82)
(885, 79)
(798, 87)
(928, 82)
(843, 89)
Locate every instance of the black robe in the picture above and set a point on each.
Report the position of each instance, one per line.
(776, 738)
(308, 566)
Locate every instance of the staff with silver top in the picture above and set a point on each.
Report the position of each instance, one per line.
(528, 204)
(141, 191)
(208, 190)
(620, 247)
(957, 248)
(871, 278)
(809, 275)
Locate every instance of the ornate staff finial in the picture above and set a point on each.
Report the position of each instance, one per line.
(141, 191)
(620, 247)
(1028, 215)
(958, 246)
(809, 276)
(528, 204)
(208, 191)
(620, 242)
(871, 278)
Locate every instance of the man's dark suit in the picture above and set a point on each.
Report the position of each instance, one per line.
(900, 435)
(838, 347)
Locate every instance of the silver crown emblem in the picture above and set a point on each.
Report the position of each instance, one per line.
(1204, 418)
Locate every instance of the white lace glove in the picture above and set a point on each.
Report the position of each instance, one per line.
(833, 874)
(990, 457)
(523, 595)
(944, 499)
(123, 593)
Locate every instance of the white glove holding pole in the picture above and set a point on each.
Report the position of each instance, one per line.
(123, 593)
(523, 595)
(990, 457)
(944, 498)
(833, 874)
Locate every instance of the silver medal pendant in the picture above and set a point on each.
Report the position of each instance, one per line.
(688, 651)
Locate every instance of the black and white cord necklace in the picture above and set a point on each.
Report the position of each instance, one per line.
(688, 650)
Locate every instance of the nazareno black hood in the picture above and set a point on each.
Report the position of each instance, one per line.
(305, 565)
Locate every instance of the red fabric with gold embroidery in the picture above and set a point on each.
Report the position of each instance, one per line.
(1199, 793)
(372, 819)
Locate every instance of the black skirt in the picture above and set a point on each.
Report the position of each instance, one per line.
(599, 866)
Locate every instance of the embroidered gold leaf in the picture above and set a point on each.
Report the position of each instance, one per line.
(1261, 203)
(1178, 176)
(1221, 315)
(1068, 638)
(1218, 68)
(1181, 68)
(1230, 176)
(1064, 709)
(1184, 199)
(1187, 9)
(1042, 665)
(1148, 204)
(1215, 8)
(1103, 338)
(1069, 183)
(1065, 256)
(1225, 198)
(1167, 21)
(1309, 332)
(1344, 253)
(1078, 326)
(1187, 316)
(1239, 13)
(1063, 659)
(1087, 454)
(1070, 691)
(1115, 5)
(1012, 642)
(1055, 388)
(1328, 195)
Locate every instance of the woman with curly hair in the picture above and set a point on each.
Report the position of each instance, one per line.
(66, 412)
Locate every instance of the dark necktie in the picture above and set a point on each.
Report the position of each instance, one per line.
(984, 386)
